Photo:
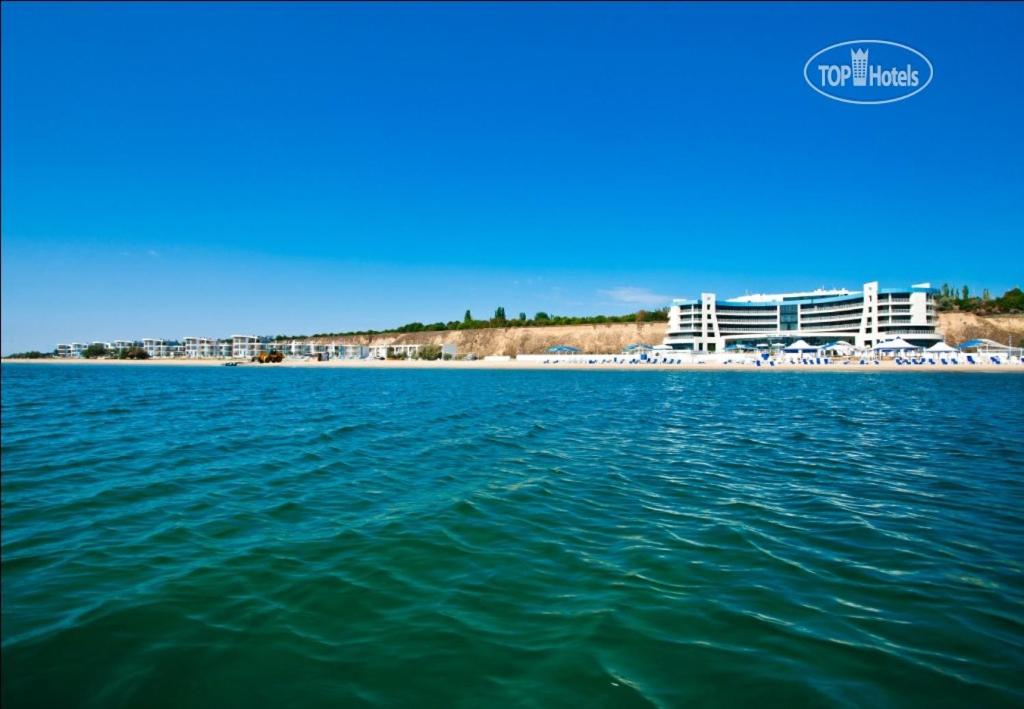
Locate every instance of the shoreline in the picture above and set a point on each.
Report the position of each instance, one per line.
(525, 365)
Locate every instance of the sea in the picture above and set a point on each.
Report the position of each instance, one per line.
(295, 537)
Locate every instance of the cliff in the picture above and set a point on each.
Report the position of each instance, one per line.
(956, 327)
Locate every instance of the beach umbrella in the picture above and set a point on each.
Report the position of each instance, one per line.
(895, 345)
(839, 347)
(800, 346)
(982, 345)
(941, 347)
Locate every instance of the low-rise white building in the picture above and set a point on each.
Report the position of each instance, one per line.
(200, 347)
(244, 346)
(154, 348)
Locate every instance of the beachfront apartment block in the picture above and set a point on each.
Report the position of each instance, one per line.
(235, 347)
(245, 346)
(163, 348)
(862, 318)
(200, 347)
(74, 349)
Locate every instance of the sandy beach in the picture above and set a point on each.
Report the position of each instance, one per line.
(886, 365)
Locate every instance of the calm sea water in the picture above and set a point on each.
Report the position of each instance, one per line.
(257, 537)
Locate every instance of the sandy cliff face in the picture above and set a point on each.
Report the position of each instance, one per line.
(524, 340)
(957, 327)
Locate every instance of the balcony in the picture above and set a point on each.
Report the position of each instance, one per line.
(820, 309)
(762, 323)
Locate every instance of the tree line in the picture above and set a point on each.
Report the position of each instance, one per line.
(951, 298)
(499, 320)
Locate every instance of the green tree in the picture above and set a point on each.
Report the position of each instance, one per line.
(541, 317)
(984, 294)
(522, 317)
(499, 315)
(34, 354)
(429, 352)
(467, 318)
(1012, 300)
(967, 294)
(96, 349)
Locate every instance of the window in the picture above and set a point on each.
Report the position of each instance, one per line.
(788, 316)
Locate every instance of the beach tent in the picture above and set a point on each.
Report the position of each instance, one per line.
(636, 347)
(895, 345)
(941, 347)
(839, 347)
(563, 349)
(738, 347)
(800, 346)
(982, 345)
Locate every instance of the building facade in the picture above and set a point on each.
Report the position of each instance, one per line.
(236, 347)
(862, 318)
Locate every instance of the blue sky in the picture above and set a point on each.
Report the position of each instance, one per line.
(207, 169)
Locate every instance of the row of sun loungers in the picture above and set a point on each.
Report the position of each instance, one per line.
(806, 361)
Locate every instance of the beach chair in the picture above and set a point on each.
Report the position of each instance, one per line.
(970, 360)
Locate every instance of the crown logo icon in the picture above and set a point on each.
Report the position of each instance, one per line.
(859, 60)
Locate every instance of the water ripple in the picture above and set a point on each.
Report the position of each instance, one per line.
(328, 538)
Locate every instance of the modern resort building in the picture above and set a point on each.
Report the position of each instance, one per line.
(860, 318)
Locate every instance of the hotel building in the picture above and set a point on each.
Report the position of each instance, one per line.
(862, 318)
(75, 349)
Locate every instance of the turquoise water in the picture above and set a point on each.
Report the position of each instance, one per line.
(258, 537)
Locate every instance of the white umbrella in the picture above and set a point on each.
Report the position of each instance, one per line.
(839, 346)
(896, 344)
(800, 346)
(941, 347)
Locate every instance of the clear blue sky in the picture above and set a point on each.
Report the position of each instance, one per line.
(207, 169)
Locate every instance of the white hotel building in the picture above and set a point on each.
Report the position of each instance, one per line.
(862, 318)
